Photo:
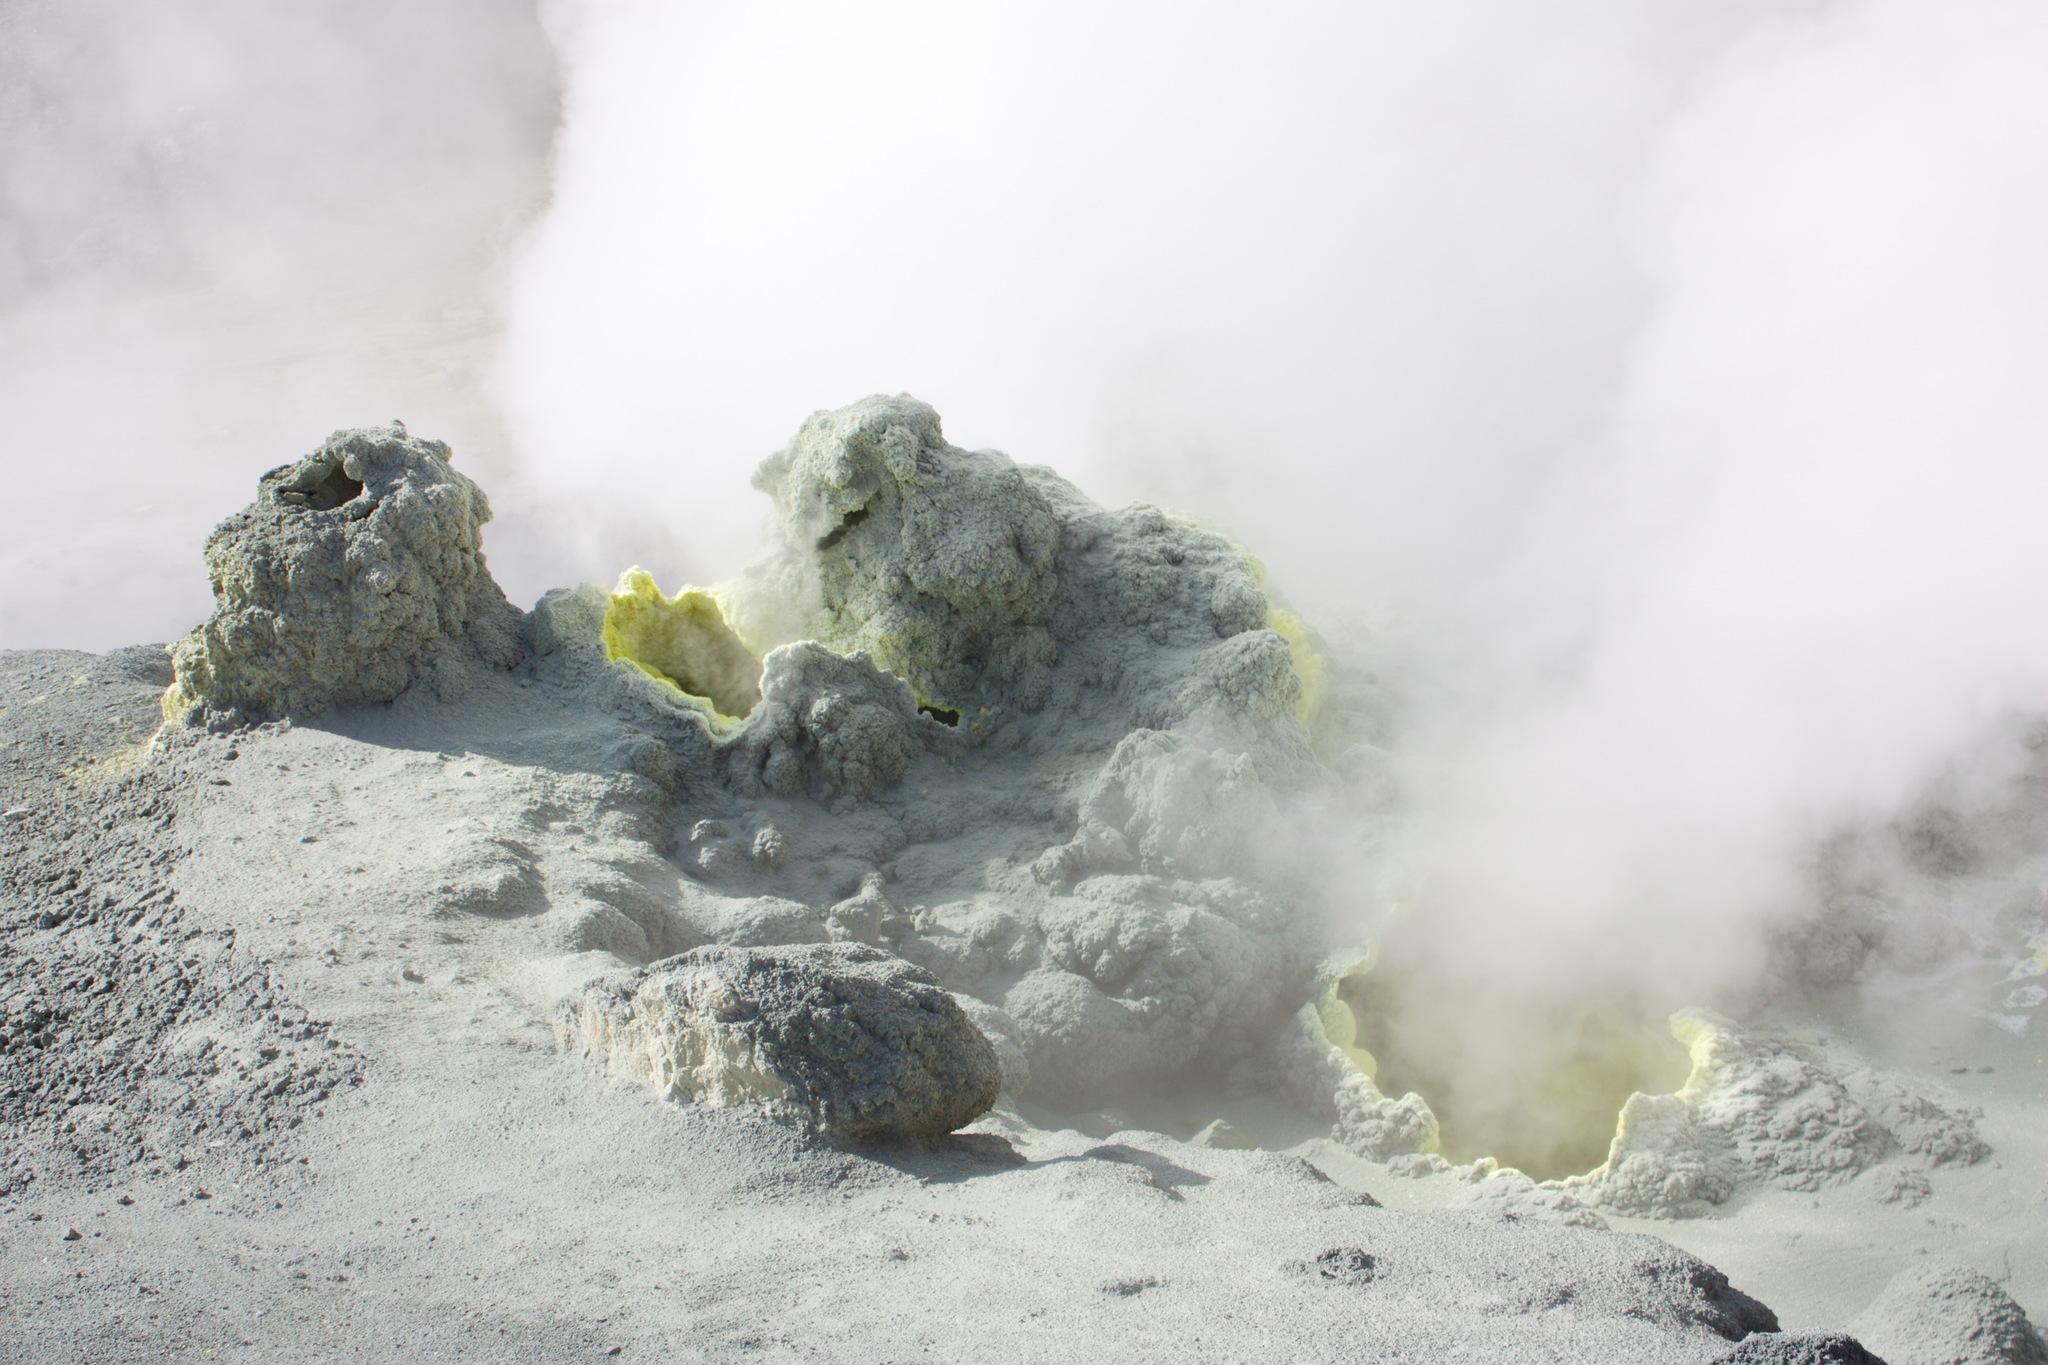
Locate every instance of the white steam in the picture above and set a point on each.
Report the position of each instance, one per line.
(228, 227)
(1664, 382)
(1803, 566)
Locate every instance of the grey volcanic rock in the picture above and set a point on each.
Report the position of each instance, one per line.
(356, 573)
(1942, 1313)
(936, 560)
(863, 1045)
(1094, 827)
(1759, 1109)
(827, 725)
(1800, 1348)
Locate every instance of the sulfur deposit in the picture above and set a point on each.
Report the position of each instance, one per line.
(357, 573)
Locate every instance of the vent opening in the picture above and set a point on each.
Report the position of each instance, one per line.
(944, 715)
(684, 641)
(846, 523)
(1544, 1098)
(334, 488)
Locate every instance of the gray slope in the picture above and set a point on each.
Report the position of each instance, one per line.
(479, 1194)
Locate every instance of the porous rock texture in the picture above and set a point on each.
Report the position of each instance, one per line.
(1759, 1109)
(864, 1046)
(941, 562)
(1800, 1348)
(355, 574)
(1944, 1313)
(1055, 755)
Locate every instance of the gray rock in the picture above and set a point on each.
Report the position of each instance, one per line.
(1799, 1348)
(356, 573)
(938, 561)
(1942, 1313)
(1109, 823)
(861, 1045)
(828, 725)
(1218, 1133)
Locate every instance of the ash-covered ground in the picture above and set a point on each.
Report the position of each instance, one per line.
(445, 981)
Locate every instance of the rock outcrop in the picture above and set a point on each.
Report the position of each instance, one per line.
(355, 574)
(862, 1046)
(1942, 1313)
(1759, 1110)
(1054, 754)
(1799, 1348)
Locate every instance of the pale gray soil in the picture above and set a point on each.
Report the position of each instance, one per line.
(433, 1179)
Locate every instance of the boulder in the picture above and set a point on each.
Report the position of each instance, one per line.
(1942, 1313)
(1799, 1348)
(857, 1044)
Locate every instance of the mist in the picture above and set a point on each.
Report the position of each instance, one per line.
(1652, 391)
(227, 228)
(1651, 394)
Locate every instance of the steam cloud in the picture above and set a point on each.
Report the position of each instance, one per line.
(1661, 384)
(1654, 393)
(228, 227)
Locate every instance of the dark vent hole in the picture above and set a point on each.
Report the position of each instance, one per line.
(943, 715)
(332, 491)
(846, 523)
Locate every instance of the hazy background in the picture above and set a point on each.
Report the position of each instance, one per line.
(228, 227)
(1658, 386)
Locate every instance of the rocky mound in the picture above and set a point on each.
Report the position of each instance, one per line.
(356, 573)
(1052, 754)
(1941, 1313)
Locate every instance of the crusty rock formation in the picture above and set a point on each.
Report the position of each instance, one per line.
(1058, 756)
(1760, 1110)
(356, 573)
(940, 562)
(828, 725)
(861, 1045)
(1941, 1313)
(1799, 1348)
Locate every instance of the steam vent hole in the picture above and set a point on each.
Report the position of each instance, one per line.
(846, 523)
(683, 641)
(333, 489)
(1540, 1092)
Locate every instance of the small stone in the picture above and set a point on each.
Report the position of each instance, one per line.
(17, 813)
(1942, 1310)
(1347, 1265)
(72, 1234)
(125, 1199)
